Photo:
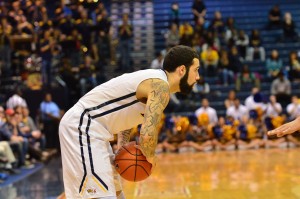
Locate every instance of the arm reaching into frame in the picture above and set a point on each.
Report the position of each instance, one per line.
(286, 129)
(157, 100)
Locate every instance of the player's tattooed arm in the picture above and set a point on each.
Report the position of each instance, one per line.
(123, 138)
(157, 101)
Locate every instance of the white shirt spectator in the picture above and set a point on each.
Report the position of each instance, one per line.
(201, 88)
(293, 110)
(14, 101)
(273, 110)
(237, 112)
(157, 64)
(211, 112)
(251, 104)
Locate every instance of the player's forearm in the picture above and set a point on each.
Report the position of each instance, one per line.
(156, 103)
(148, 144)
(123, 138)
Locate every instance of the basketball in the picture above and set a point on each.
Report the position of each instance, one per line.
(131, 164)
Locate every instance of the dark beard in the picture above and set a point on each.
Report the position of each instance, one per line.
(185, 88)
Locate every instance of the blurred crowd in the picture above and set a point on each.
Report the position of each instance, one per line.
(43, 39)
(243, 127)
(225, 49)
(25, 141)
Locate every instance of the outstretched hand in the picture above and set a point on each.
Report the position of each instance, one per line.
(286, 129)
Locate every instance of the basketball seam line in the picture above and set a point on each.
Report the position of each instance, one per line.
(131, 153)
(131, 159)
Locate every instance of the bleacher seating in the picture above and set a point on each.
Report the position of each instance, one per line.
(248, 15)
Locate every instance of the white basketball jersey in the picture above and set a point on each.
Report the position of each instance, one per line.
(114, 105)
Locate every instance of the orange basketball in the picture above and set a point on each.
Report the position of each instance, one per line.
(131, 164)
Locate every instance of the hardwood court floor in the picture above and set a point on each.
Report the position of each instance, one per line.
(251, 174)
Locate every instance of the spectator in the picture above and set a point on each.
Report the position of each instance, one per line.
(39, 12)
(225, 74)
(2, 116)
(198, 9)
(224, 135)
(84, 25)
(281, 88)
(209, 111)
(50, 117)
(235, 60)
(175, 13)
(157, 63)
(274, 64)
(237, 111)
(47, 44)
(200, 27)
(99, 10)
(229, 101)
(293, 109)
(24, 27)
(246, 78)
(71, 47)
(242, 43)
(5, 48)
(255, 48)
(211, 39)
(247, 135)
(231, 32)
(274, 17)
(197, 42)
(274, 108)
(294, 67)
(172, 36)
(103, 40)
(289, 28)
(16, 100)
(200, 90)
(125, 34)
(29, 128)
(87, 75)
(217, 25)
(7, 158)
(186, 32)
(252, 102)
(29, 137)
(210, 58)
(10, 132)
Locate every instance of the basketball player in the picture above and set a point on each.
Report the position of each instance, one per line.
(287, 128)
(114, 108)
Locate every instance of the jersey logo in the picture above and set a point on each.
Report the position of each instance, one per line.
(91, 191)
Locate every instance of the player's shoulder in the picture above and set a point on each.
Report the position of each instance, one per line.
(153, 85)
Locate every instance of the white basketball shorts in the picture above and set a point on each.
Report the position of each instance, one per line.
(86, 159)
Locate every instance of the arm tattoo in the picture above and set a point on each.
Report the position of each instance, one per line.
(123, 138)
(156, 103)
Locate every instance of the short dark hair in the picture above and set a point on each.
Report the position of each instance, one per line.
(177, 56)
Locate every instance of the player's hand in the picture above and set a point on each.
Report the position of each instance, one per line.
(286, 129)
(151, 160)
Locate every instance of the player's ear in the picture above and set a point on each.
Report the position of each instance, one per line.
(181, 70)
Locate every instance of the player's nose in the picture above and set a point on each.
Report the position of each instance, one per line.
(197, 77)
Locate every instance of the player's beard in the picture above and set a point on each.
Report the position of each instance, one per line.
(184, 86)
